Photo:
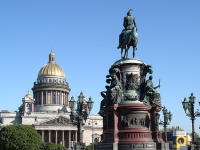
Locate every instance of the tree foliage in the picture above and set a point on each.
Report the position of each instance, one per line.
(19, 137)
(196, 137)
(51, 146)
(90, 147)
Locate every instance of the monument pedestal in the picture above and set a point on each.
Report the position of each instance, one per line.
(132, 122)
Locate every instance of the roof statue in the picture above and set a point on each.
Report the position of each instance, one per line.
(129, 35)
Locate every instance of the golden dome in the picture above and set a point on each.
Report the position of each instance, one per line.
(51, 68)
(28, 95)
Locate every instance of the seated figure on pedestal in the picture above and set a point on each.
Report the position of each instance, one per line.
(113, 93)
(152, 96)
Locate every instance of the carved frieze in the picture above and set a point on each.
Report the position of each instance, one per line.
(58, 121)
(132, 82)
(131, 97)
(135, 120)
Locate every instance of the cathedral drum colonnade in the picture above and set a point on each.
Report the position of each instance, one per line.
(51, 89)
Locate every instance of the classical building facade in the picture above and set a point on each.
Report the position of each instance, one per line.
(48, 109)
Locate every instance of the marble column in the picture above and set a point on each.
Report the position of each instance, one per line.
(56, 99)
(49, 135)
(42, 135)
(51, 98)
(69, 139)
(46, 97)
(56, 133)
(63, 98)
(42, 97)
(66, 98)
(63, 137)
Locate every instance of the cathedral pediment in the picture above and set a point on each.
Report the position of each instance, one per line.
(58, 121)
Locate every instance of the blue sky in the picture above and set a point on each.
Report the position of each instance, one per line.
(84, 37)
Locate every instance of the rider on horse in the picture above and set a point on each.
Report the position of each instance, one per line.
(128, 25)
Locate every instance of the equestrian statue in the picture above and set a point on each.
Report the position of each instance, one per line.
(129, 35)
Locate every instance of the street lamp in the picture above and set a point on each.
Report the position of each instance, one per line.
(167, 119)
(80, 114)
(189, 105)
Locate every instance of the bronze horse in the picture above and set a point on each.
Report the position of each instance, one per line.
(130, 38)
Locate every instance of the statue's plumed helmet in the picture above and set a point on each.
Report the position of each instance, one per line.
(129, 12)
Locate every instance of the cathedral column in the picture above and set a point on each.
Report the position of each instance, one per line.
(63, 98)
(38, 98)
(66, 98)
(33, 107)
(56, 97)
(51, 98)
(63, 137)
(49, 135)
(42, 98)
(56, 137)
(67, 103)
(46, 97)
(69, 139)
(42, 135)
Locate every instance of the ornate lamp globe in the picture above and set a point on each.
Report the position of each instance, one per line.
(81, 97)
(192, 98)
(90, 104)
(170, 116)
(164, 110)
(72, 103)
(185, 104)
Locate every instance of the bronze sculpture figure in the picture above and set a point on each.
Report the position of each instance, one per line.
(128, 36)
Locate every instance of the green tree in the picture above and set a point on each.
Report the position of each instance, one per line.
(196, 137)
(19, 137)
(90, 147)
(51, 146)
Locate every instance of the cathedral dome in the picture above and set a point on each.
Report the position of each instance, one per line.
(28, 95)
(51, 68)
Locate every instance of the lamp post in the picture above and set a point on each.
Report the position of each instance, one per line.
(189, 105)
(77, 116)
(167, 119)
